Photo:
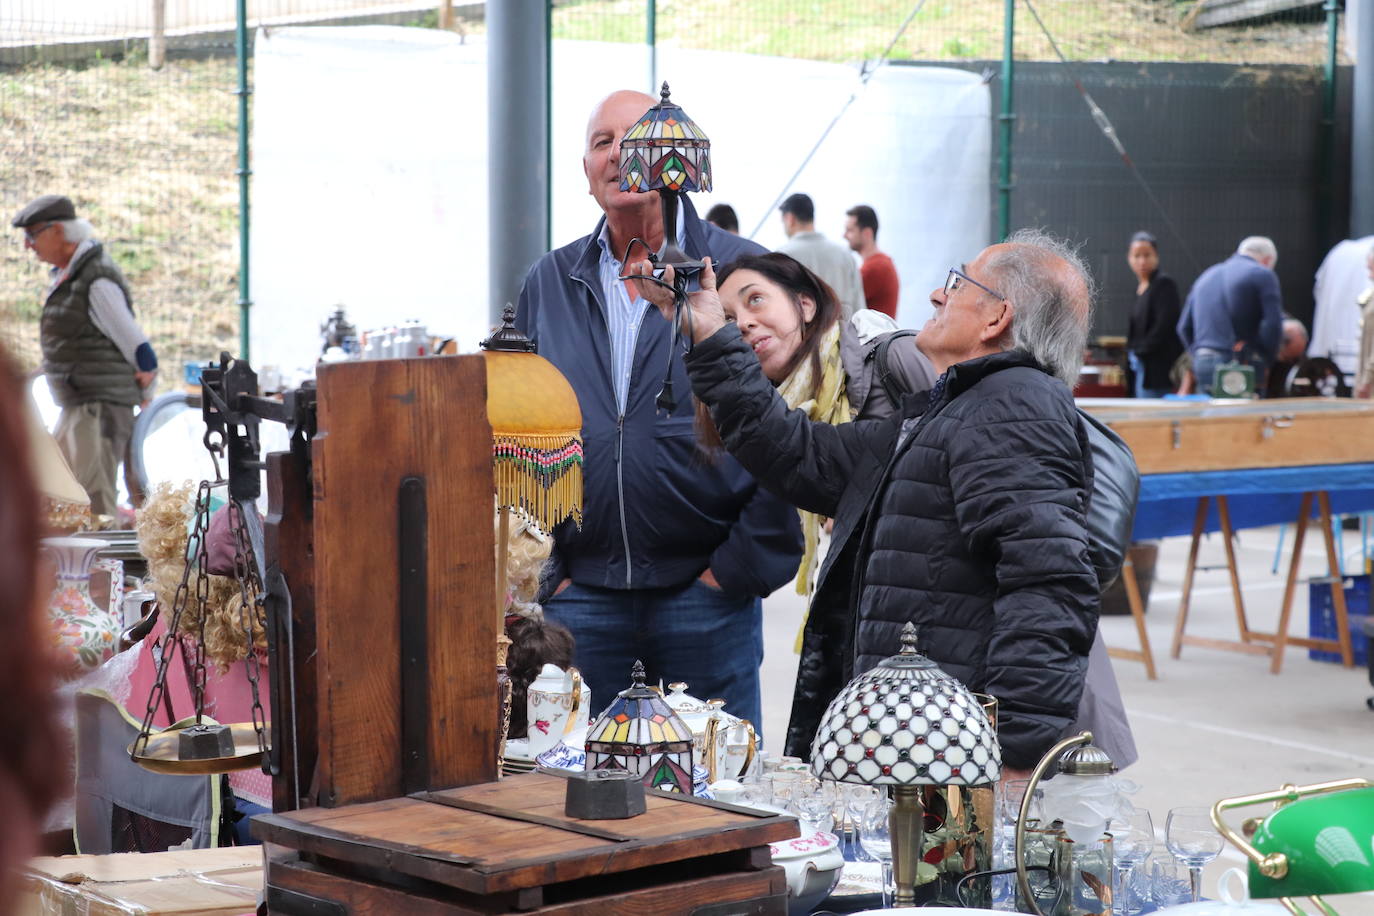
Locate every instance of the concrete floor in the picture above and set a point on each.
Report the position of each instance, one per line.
(1214, 723)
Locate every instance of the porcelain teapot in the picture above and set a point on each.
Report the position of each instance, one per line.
(558, 703)
(726, 744)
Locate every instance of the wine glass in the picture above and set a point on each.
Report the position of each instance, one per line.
(1133, 839)
(876, 838)
(856, 799)
(1194, 841)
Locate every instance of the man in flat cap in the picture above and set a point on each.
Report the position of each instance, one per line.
(98, 361)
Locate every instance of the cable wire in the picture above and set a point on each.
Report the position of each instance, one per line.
(864, 77)
(1104, 124)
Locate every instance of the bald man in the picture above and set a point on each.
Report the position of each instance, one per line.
(676, 547)
(963, 513)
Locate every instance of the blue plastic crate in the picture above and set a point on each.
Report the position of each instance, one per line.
(1322, 617)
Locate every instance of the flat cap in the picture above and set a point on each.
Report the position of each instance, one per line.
(45, 209)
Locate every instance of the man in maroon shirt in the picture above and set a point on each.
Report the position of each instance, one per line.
(878, 272)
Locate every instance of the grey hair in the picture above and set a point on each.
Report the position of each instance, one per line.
(1259, 246)
(1051, 315)
(76, 231)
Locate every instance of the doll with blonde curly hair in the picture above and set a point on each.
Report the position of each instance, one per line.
(535, 641)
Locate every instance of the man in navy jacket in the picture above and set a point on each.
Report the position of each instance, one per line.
(677, 546)
(1234, 312)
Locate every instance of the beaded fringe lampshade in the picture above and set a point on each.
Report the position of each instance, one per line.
(536, 429)
(640, 733)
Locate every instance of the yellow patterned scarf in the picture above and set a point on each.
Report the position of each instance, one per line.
(829, 405)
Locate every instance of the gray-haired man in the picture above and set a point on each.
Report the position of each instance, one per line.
(963, 512)
(98, 361)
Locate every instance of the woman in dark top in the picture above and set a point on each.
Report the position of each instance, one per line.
(1153, 344)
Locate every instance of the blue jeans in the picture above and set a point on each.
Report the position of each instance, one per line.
(1206, 361)
(1138, 370)
(711, 640)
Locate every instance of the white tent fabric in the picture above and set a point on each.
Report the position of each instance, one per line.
(370, 168)
(1336, 318)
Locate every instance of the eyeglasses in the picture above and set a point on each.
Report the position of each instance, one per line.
(30, 233)
(955, 275)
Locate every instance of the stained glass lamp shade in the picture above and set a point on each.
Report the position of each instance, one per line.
(640, 733)
(666, 152)
(906, 723)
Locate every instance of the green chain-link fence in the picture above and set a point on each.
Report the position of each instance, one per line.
(149, 154)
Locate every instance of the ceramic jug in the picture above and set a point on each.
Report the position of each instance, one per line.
(557, 704)
(85, 633)
(729, 744)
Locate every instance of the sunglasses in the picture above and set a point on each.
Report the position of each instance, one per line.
(953, 282)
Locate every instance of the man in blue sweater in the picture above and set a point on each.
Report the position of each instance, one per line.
(677, 546)
(1235, 312)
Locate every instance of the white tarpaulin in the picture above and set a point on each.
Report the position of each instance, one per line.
(370, 168)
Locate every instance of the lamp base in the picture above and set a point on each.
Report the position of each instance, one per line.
(906, 823)
(671, 254)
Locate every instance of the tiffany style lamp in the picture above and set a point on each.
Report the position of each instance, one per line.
(666, 152)
(906, 724)
(640, 733)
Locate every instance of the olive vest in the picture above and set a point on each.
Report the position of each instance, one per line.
(81, 363)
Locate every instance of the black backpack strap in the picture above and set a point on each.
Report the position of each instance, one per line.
(886, 377)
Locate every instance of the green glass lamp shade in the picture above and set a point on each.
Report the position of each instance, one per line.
(1328, 841)
(665, 151)
(642, 735)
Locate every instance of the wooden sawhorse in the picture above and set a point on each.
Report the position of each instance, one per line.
(1255, 642)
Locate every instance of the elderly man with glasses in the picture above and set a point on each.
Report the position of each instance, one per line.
(964, 512)
(98, 361)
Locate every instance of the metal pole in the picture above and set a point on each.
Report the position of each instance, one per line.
(517, 106)
(243, 171)
(1006, 119)
(548, 125)
(651, 39)
(1326, 139)
(1362, 128)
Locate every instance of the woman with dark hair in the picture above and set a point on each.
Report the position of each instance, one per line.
(1153, 345)
(818, 362)
(31, 768)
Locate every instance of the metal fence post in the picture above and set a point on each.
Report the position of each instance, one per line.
(1362, 128)
(1006, 118)
(651, 39)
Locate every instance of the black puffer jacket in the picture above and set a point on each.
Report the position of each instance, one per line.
(968, 522)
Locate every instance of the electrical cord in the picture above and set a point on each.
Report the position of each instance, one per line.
(665, 399)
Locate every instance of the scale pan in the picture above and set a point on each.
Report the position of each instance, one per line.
(161, 753)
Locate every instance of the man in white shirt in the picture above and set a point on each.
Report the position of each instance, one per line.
(98, 361)
(830, 261)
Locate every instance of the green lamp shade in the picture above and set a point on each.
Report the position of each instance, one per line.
(1328, 840)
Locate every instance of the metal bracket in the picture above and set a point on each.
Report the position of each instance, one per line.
(1176, 429)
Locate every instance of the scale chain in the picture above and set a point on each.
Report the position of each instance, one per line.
(194, 543)
(251, 610)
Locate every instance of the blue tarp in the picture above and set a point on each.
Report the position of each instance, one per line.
(1257, 497)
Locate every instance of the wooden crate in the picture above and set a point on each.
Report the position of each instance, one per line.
(508, 847)
(1169, 437)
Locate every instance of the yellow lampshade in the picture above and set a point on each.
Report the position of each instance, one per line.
(536, 430)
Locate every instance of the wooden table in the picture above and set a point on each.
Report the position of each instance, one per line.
(508, 847)
(1276, 459)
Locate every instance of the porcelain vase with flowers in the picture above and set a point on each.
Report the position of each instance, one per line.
(84, 634)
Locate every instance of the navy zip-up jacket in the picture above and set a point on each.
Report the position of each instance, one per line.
(657, 512)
